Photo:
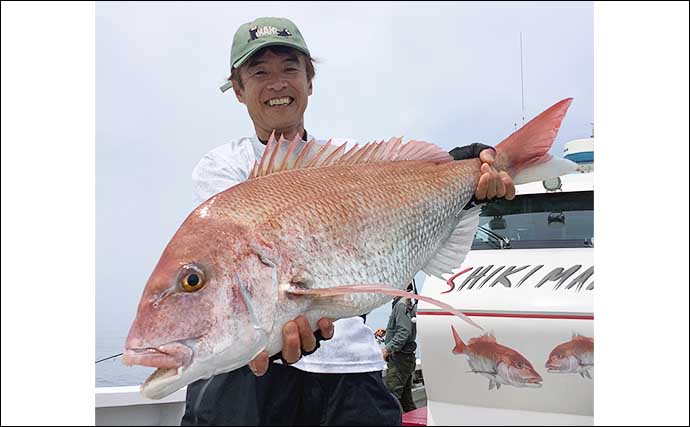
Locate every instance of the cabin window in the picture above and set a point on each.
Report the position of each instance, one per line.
(551, 220)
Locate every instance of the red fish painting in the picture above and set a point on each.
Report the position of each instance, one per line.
(498, 363)
(573, 357)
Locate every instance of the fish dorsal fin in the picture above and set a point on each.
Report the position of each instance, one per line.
(578, 337)
(284, 155)
(484, 338)
(453, 251)
(296, 154)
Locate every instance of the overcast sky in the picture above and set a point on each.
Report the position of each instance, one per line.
(445, 73)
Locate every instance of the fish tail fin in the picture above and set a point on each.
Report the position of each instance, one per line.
(459, 345)
(524, 154)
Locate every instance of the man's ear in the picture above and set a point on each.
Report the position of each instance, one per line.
(310, 88)
(239, 93)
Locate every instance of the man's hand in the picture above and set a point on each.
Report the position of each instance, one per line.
(385, 353)
(493, 183)
(297, 336)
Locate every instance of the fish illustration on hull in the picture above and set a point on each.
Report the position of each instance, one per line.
(573, 357)
(498, 363)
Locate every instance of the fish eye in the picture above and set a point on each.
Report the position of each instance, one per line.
(191, 278)
(519, 365)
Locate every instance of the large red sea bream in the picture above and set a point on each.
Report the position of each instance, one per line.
(317, 231)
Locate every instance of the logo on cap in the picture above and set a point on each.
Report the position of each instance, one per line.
(267, 30)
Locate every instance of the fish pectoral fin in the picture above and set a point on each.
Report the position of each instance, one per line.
(376, 288)
(453, 251)
(340, 300)
(494, 373)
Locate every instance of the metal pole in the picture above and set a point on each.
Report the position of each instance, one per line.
(522, 86)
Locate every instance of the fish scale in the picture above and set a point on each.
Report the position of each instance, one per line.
(405, 211)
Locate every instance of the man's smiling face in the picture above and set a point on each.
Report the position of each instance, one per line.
(275, 90)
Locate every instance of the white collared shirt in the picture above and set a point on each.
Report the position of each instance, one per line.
(353, 347)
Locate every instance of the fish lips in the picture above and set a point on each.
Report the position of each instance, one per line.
(530, 381)
(534, 382)
(556, 367)
(167, 356)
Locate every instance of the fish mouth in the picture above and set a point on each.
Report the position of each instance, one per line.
(551, 367)
(168, 358)
(533, 382)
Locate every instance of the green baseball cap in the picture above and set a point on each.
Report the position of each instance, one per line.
(259, 33)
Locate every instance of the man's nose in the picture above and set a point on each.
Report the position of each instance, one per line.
(277, 84)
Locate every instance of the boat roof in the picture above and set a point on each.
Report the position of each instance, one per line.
(569, 183)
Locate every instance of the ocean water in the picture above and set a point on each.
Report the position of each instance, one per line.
(113, 372)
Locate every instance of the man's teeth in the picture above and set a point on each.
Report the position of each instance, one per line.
(279, 101)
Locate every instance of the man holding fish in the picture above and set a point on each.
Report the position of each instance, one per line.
(340, 384)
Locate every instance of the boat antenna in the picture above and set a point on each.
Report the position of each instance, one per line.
(522, 86)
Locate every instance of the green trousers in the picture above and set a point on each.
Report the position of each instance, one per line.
(399, 378)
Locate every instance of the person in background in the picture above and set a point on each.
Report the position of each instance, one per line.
(399, 349)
